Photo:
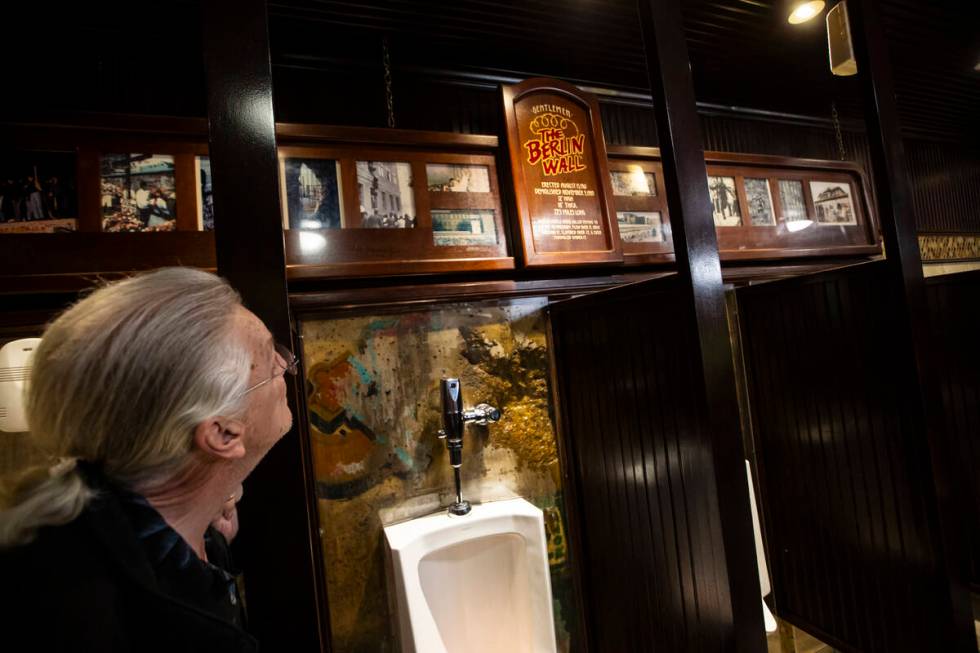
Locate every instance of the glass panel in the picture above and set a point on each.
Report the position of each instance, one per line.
(640, 226)
(724, 201)
(832, 202)
(37, 192)
(205, 198)
(386, 196)
(374, 412)
(759, 198)
(451, 178)
(463, 227)
(633, 182)
(312, 193)
(138, 192)
(791, 199)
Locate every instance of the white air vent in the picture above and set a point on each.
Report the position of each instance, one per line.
(15, 369)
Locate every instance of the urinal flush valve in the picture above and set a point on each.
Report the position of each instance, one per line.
(454, 420)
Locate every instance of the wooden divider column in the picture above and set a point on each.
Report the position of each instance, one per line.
(275, 548)
(696, 248)
(945, 508)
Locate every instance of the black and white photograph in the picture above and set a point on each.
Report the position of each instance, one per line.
(386, 195)
(138, 192)
(205, 197)
(633, 182)
(759, 198)
(640, 227)
(832, 202)
(452, 178)
(37, 192)
(472, 227)
(311, 192)
(724, 201)
(791, 200)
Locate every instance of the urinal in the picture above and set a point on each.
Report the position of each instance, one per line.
(477, 583)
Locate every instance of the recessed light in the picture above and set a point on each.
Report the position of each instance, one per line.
(804, 11)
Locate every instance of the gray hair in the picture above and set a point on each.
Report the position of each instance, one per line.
(120, 380)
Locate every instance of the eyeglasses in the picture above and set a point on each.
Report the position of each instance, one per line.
(287, 359)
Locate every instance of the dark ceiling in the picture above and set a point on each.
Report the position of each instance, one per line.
(743, 52)
(145, 57)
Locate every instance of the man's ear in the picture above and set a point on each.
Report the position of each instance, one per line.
(220, 437)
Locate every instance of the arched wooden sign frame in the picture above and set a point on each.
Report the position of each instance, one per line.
(560, 174)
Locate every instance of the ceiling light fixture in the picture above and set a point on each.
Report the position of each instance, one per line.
(804, 11)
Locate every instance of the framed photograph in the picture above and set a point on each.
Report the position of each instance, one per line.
(311, 193)
(759, 198)
(634, 182)
(469, 227)
(452, 178)
(832, 202)
(792, 201)
(724, 201)
(37, 192)
(387, 200)
(205, 199)
(138, 192)
(640, 226)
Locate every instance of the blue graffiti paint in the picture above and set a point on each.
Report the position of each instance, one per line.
(404, 456)
(360, 369)
(380, 325)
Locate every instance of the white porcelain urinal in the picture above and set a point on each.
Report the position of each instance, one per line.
(476, 583)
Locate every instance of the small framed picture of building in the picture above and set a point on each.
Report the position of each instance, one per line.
(759, 198)
(463, 227)
(791, 200)
(832, 203)
(457, 178)
(387, 199)
(640, 226)
(724, 201)
(311, 193)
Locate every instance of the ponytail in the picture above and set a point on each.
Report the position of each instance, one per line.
(42, 496)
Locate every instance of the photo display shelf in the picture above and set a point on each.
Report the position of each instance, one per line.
(138, 193)
(353, 210)
(764, 207)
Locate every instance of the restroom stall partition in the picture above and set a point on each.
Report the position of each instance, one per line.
(846, 486)
(639, 468)
(954, 321)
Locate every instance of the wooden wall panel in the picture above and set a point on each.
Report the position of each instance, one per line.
(845, 480)
(945, 181)
(955, 333)
(640, 464)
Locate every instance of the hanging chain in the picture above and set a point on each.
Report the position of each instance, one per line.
(840, 137)
(389, 96)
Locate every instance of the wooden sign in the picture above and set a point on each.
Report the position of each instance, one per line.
(561, 175)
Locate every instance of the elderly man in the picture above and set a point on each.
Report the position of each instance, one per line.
(155, 396)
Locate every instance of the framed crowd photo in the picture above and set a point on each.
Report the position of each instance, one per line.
(138, 192)
(763, 207)
(564, 193)
(38, 192)
(373, 209)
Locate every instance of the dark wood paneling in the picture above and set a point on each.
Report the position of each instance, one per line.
(955, 325)
(945, 186)
(844, 469)
(639, 463)
(277, 546)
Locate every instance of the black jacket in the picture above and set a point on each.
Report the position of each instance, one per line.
(89, 586)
